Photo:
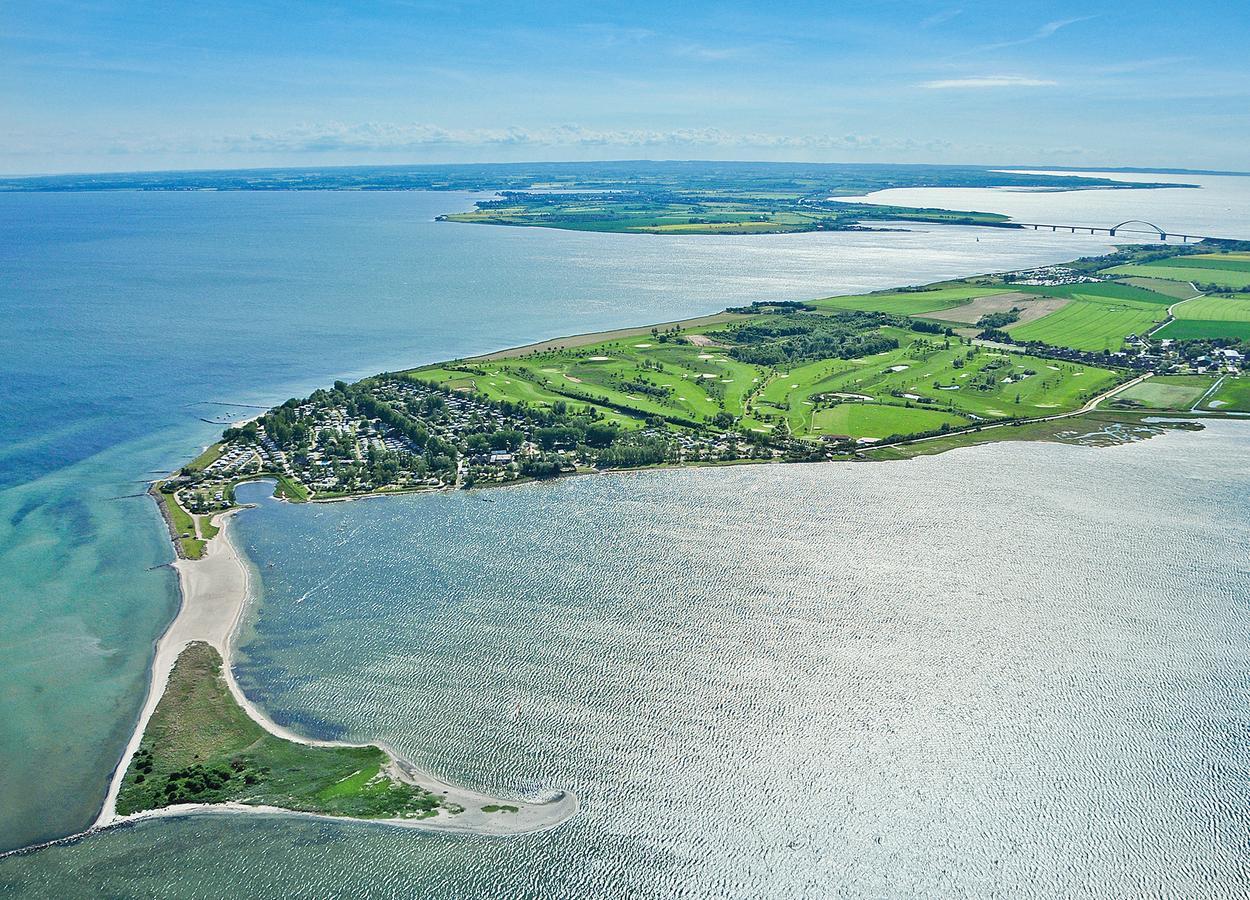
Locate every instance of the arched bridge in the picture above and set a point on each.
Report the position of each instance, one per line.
(1149, 228)
(1163, 235)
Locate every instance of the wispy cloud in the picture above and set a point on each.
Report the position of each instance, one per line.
(710, 54)
(940, 18)
(981, 82)
(1042, 33)
(390, 137)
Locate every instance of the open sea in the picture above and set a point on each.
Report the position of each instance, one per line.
(1006, 671)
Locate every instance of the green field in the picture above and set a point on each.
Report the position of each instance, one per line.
(200, 746)
(1233, 395)
(1100, 316)
(1227, 278)
(1091, 324)
(910, 303)
(1171, 392)
(1207, 317)
(872, 420)
(1228, 262)
(1196, 329)
(1215, 308)
(1102, 291)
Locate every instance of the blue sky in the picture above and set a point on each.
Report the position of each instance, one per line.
(99, 86)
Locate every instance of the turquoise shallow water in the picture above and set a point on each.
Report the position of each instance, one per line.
(930, 678)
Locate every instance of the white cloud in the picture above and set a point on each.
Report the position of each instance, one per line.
(391, 137)
(1042, 33)
(977, 82)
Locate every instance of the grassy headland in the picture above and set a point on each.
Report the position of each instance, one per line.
(200, 746)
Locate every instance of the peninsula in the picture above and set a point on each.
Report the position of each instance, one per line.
(919, 369)
(1100, 350)
(201, 744)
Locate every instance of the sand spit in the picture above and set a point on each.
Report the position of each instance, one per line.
(215, 591)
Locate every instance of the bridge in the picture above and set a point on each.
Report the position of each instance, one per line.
(1150, 228)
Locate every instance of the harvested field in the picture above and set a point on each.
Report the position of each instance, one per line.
(1031, 306)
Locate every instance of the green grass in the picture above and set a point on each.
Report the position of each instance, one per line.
(1171, 392)
(1233, 396)
(927, 382)
(207, 529)
(1223, 277)
(1215, 309)
(1210, 317)
(627, 380)
(1225, 262)
(910, 303)
(200, 746)
(1101, 428)
(1198, 329)
(1093, 325)
(207, 458)
(930, 371)
(288, 489)
(875, 420)
(181, 525)
(1101, 291)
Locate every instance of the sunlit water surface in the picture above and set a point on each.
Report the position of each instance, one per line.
(126, 318)
(762, 681)
(917, 679)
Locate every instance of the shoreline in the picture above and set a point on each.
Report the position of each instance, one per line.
(214, 593)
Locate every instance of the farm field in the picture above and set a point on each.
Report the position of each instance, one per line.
(1213, 316)
(1215, 308)
(910, 303)
(1172, 392)
(1204, 329)
(1227, 278)
(1233, 395)
(1103, 292)
(1231, 262)
(1093, 325)
(1179, 290)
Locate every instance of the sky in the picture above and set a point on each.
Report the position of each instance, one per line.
(118, 86)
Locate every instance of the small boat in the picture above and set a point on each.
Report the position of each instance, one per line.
(487, 499)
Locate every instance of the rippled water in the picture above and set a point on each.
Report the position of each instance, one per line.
(917, 679)
(127, 317)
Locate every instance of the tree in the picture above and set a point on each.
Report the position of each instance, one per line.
(601, 434)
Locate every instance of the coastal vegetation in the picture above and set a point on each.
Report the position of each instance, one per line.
(699, 212)
(835, 378)
(200, 746)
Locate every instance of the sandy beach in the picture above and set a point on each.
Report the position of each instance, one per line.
(215, 591)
